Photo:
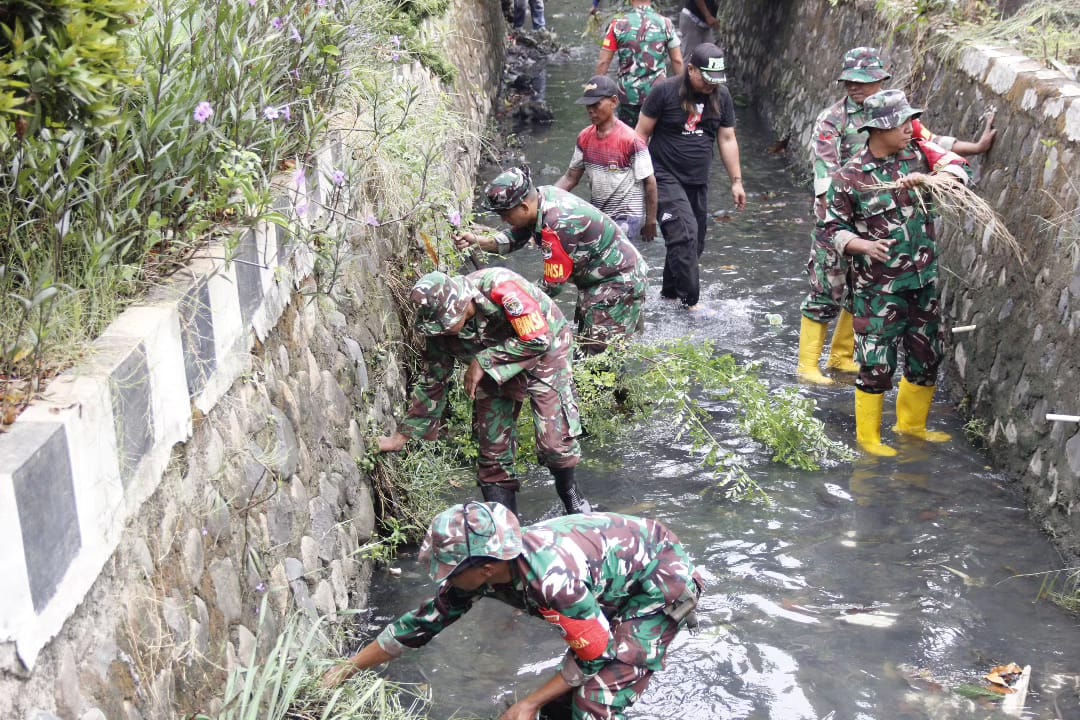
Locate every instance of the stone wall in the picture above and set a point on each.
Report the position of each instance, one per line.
(204, 460)
(1023, 359)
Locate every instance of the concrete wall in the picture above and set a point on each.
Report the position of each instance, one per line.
(205, 456)
(1023, 361)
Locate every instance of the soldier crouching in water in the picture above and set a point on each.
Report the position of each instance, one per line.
(618, 588)
(516, 345)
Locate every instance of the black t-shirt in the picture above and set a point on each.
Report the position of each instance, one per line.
(691, 5)
(682, 144)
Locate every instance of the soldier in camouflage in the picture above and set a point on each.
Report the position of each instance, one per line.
(644, 41)
(618, 588)
(580, 245)
(516, 344)
(889, 237)
(838, 138)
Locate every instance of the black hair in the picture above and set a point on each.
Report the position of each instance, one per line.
(688, 97)
(473, 561)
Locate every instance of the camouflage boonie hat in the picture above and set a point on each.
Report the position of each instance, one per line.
(441, 301)
(886, 110)
(508, 189)
(473, 529)
(863, 65)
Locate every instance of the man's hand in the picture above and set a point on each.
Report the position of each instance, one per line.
(877, 250)
(394, 443)
(713, 22)
(738, 194)
(912, 180)
(337, 675)
(648, 231)
(466, 240)
(986, 140)
(521, 710)
(473, 376)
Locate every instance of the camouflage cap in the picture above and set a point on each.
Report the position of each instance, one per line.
(863, 65)
(508, 189)
(886, 110)
(473, 529)
(441, 301)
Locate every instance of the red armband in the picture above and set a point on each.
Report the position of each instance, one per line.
(610, 41)
(522, 310)
(557, 264)
(587, 638)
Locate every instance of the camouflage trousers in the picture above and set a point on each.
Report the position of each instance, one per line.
(609, 311)
(885, 320)
(828, 271)
(549, 387)
(608, 694)
(628, 113)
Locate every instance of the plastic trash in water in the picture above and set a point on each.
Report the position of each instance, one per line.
(774, 319)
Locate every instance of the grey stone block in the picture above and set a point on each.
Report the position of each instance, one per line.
(324, 598)
(323, 521)
(248, 276)
(93, 714)
(197, 336)
(281, 519)
(174, 610)
(285, 241)
(309, 553)
(245, 643)
(133, 416)
(294, 570)
(193, 555)
(45, 498)
(227, 589)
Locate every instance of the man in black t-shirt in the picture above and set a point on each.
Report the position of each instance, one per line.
(681, 118)
(697, 24)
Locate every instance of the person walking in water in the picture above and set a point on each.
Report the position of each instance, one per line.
(875, 216)
(643, 41)
(698, 23)
(580, 245)
(837, 139)
(618, 588)
(616, 161)
(515, 344)
(682, 118)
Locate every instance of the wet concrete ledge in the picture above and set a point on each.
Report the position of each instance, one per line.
(1023, 360)
(204, 457)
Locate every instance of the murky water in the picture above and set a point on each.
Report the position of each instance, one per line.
(866, 591)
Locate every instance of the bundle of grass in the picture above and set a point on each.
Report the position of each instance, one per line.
(961, 204)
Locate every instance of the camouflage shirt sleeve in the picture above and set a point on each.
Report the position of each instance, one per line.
(532, 336)
(417, 628)
(507, 241)
(428, 399)
(840, 228)
(826, 151)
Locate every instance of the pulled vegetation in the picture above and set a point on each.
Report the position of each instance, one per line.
(132, 132)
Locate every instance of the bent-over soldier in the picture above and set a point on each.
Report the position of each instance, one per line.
(890, 237)
(617, 587)
(580, 245)
(516, 344)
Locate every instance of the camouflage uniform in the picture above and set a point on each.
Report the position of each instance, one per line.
(617, 587)
(896, 300)
(582, 245)
(522, 341)
(641, 41)
(837, 138)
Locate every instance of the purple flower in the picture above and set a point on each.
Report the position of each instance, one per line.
(277, 23)
(455, 218)
(321, 3)
(253, 3)
(260, 588)
(286, 113)
(270, 112)
(339, 178)
(395, 57)
(203, 112)
(295, 34)
(396, 41)
(372, 221)
(205, 532)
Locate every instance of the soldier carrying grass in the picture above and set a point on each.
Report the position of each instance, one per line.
(580, 244)
(618, 588)
(516, 344)
(876, 216)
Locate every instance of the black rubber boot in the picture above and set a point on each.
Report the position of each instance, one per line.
(568, 491)
(501, 495)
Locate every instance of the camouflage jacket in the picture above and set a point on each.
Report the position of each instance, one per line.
(854, 209)
(580, 244)
(582, 573)
(641, 40)
(837, 139)
(514, 328)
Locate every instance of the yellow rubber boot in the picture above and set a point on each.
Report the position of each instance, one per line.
(912, 410)
(811, 341)
(868, 409)
(842, 355)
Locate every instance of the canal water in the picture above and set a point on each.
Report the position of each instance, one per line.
(865, 591)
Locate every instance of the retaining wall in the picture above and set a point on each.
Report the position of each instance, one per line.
(205, 456)
(1023, 360)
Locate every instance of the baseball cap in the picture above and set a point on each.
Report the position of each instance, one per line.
(709, 60)
(598, 88)
(863, 65)
(471, 529)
